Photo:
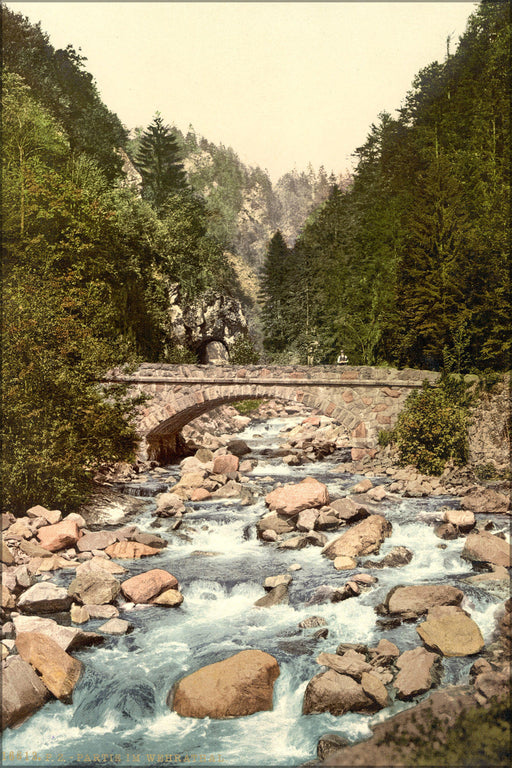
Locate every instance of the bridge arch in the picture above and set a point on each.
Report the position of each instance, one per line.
(362, 399)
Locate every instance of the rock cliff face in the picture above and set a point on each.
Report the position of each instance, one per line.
(489, 436)
(208, 327)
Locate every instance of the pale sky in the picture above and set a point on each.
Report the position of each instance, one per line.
(283, 84)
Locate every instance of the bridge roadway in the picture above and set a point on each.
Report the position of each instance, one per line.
(361, 398)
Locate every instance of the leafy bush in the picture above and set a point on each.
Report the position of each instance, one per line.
(180, 355)
(386, 437)
(432, 428)
(243, 351)
(247, 406)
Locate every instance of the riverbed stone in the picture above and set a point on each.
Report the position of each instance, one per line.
(169, 504)
(95, 587)
(329, 743)
(59, 671)
(350, 663)
(66, 637)
(463, 520)
(343, 563)
(296, 542)
(312, 621)
(200, 494)
(275, 581)
(23, 691)
(223, 465)
(33, 549)
(116, 627)
(446, 531)
(147, 586)
(59, 536)
(292, 499)
(79, 614)
(238, 686)
(485, 547)
(306, 519)
(100, 564)
(375, 688)
(7, 556)
(364, 538)
(385, 653)
(101, 611)
(44, 598)
(412, 601)
(51, 516)
(128, 550)
(95, 540)
(274, 522)
(485, 501)
(395, 558)
(449, 631)
(327, 520)
(331, 692)
(276, 596)
(349, 510)
(170, 597)
(419, 671)
(363, 486)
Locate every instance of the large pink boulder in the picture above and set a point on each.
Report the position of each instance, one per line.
(411, 601)
(59, 671)
(484, 547)
(223, 465)
(292, 499)
(238, 686)
(59, 536)
(146, 586)
(365, 538)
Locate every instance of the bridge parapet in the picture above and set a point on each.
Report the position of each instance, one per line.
(362, 399)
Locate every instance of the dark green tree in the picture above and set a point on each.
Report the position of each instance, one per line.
(277, 283)
(159, 162)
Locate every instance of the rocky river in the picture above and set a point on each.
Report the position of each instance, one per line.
(304, 575)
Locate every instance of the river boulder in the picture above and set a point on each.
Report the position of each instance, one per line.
(95, 587)
(23, 691)
(147, 586)
(274, 522)
(59, 671)
(66, 637)
(395, 558)
(365, 538)
(413, 601)
(348, 510)
(292, 499)
(485, 501)
(449, 631)
(484, 547)
(350, 663)
(59, 536)
(275, 596)
(419, 671)
(169, 504)
(236, 687)
(463, 520)
(331, 692)
(225, 464)
(51, 516)
(130, 550)
(96, 540)
(44, 598)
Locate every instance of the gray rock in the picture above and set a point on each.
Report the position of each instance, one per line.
(44, 598)
(96, 540)
(116, 627)
(23, 692)
(276, 596)
(94, 587)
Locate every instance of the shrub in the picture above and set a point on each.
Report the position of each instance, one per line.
(243, 351)
(247, 406)
(432, 428)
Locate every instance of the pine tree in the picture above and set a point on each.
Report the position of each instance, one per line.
(277, 293)
(159, 162)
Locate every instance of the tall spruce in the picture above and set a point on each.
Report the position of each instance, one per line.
(159, 162)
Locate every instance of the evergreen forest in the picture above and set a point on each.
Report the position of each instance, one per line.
(409, 266)
(405, 263)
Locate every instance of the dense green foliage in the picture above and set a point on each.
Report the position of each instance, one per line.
(88, 267)
(243, 351)
(432, 427)
(409, 266)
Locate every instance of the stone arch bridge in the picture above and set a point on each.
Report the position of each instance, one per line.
(363, 399)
